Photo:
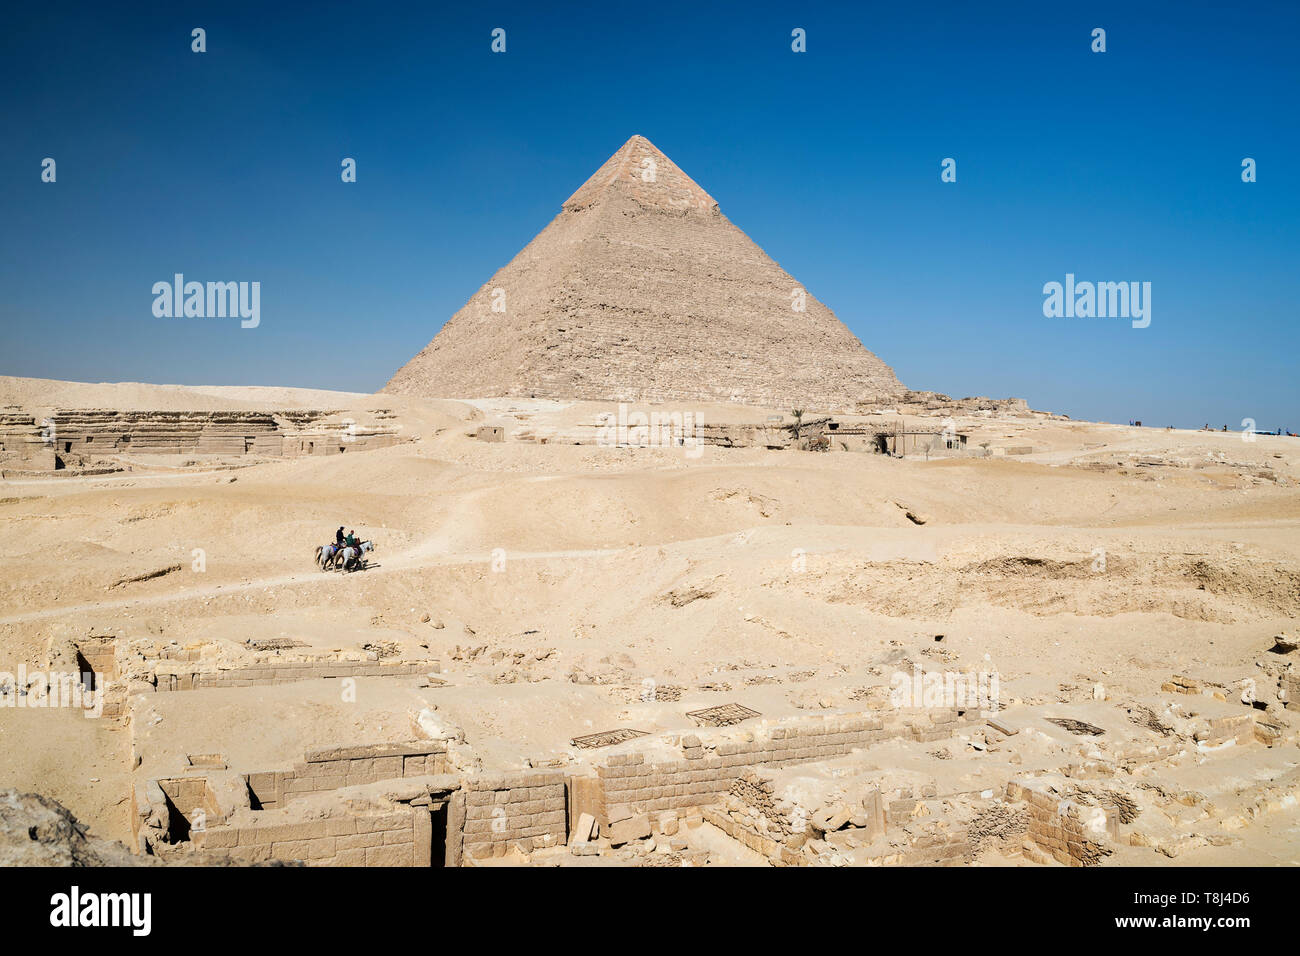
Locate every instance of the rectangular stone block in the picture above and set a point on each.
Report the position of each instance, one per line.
(635, 827)
(397, 855)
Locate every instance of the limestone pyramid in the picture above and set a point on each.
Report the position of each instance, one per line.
(640, 290)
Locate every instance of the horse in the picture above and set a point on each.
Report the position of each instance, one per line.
(352, 558)
(326, 555)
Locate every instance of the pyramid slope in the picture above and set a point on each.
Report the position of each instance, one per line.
(640, 290)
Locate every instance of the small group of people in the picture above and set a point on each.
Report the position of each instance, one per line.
(347, 552)
(1281, 431)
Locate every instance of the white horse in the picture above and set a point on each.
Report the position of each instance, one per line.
(351, 558)
(326, 554)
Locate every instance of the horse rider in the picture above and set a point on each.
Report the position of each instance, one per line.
(351, 539)
(338, 537)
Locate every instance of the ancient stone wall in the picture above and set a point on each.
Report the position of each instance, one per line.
(99, 655)
(190, 796)
(75, 436)
(1238, 728)
(365, 839)
(712, 761)
(22, 445)
(505, 808)
(1057, 827)
(331, 769)
(824, 836)
(176, 678)
(253, 817)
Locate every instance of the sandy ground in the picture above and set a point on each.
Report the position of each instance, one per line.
(560, 580)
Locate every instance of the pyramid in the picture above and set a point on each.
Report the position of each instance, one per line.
(640, 290)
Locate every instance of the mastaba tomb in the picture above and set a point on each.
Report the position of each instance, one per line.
(641, 290)
(78, 438)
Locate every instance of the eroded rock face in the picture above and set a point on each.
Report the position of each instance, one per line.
(38, 831)
(640, 290)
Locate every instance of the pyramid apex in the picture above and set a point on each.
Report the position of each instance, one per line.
(639, 170)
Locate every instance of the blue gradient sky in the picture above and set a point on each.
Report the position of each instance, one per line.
(225, 166)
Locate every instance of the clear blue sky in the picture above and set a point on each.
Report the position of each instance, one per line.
(225, 166)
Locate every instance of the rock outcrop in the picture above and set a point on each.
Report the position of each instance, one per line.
(38, 831)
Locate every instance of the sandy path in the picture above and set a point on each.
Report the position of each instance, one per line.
(400, 562)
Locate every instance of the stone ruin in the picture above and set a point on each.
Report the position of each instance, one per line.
(86, 439)
(1061, 785)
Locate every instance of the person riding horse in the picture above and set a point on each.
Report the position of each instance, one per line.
(347, 553)
(328, 554)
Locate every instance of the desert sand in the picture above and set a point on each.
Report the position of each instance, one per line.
(547, 590)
